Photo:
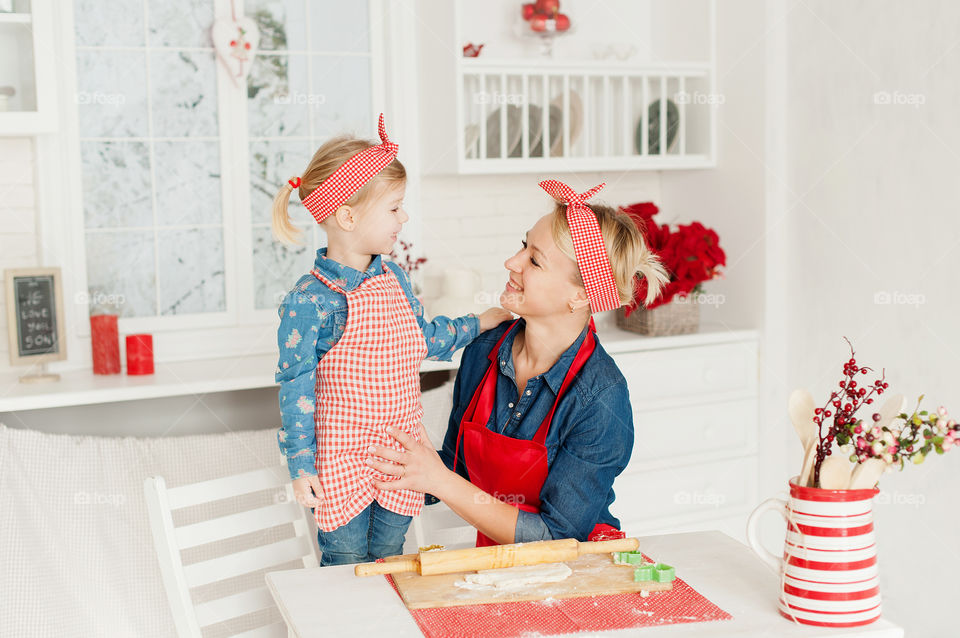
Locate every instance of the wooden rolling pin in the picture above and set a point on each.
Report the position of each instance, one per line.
(495, 556)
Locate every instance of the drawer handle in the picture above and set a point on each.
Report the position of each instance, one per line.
(711, 376)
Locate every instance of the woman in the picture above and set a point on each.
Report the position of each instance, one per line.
(542, 423)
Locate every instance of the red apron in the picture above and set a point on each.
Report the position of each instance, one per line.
(513, 470)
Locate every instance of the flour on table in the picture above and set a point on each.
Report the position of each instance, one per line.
(515, 577)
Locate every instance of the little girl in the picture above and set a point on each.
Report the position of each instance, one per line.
(352, 338)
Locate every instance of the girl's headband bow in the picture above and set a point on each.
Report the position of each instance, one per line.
(598, 279)
(350, 177)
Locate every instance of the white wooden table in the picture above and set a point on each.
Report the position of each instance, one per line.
(331, 601)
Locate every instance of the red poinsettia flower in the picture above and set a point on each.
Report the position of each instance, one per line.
(690, 253)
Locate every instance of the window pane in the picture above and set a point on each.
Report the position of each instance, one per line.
(112, 93)
(293, 98)
(274, 89)
(273, 162)
(188, 183)
(339, 26)
(191, 271)
(124, 266)
(344, 84)
(108, 23)
(281, 24)
(180, 23)
(152, 206)
(276, 267)
(183, 87)
(116, 185)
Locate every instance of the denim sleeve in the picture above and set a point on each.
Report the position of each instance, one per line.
(592, 452)
(443, 335)
(303, 337)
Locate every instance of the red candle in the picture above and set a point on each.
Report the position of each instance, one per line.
(139, 354)
(105, 342)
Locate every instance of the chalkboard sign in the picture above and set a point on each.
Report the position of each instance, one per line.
(35, 315)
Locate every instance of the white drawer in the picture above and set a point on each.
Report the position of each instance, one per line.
(725, 428)
(688, 492)
(657, 378)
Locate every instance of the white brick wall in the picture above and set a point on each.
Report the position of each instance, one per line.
(18, 226)
(477, 221)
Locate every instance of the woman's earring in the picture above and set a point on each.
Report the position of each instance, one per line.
(570, 305)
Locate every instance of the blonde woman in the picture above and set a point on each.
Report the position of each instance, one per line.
(541, 424)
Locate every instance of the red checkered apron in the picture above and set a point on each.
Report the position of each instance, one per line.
(370, 379)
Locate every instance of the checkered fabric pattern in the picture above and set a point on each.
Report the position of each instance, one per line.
(370, 379)
(350, 177)
(551, 617)
(587, 245)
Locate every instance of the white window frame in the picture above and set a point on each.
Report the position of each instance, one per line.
(240, 329)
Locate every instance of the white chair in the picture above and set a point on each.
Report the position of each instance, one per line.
(179, 579)
(440, 525)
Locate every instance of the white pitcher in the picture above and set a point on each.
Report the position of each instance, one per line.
(828, 574)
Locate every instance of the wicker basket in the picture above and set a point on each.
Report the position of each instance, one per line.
(675, 318)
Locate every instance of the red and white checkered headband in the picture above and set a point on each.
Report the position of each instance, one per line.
(334, 191)
(598, 279)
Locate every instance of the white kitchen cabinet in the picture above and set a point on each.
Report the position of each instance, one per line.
(27, 82)
(695, 410)
(619, 94)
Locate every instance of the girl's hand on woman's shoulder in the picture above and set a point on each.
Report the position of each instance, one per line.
(492, 318)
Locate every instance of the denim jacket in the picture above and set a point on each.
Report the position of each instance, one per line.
(589, 442)
(312, 320)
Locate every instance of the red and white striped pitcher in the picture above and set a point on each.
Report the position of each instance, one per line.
(828, 574)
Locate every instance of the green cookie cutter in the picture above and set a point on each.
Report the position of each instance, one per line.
(663, 573)
(643, 573)
(628, 558)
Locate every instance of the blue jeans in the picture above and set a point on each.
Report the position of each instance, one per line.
(374, 533)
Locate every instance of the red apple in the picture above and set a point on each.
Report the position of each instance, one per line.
(548, 7)
(538, 23)
(563, 22)
(528, 10)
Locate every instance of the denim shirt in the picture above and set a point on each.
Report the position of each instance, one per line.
(588, 444)
(312, 320)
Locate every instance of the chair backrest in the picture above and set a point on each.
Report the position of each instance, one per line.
(170, 541)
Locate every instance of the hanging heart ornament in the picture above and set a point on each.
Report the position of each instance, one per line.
(236, 42)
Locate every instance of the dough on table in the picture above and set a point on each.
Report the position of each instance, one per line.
(515, 577)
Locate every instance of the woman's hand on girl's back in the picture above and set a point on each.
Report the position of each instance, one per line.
(418, 467)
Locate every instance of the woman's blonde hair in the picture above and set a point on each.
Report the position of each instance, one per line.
(328, 158)
(628, 251)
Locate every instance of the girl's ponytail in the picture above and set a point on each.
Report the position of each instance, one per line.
(283, 228)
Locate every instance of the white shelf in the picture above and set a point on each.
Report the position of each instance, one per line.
(82, 387)
(612, 163)
(15, 18)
